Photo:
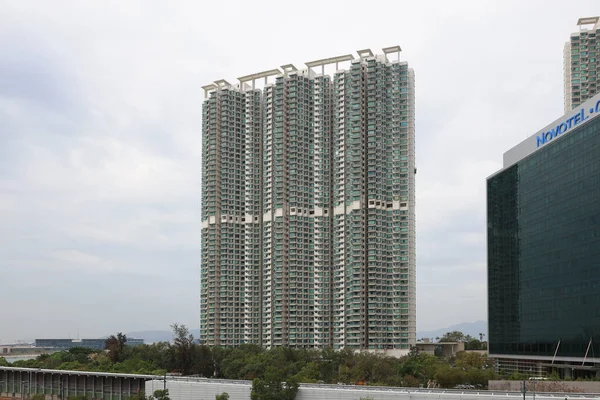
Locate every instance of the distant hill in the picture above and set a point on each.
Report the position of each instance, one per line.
(468, 328)
(158, 336)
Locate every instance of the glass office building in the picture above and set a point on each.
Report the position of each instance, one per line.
(543, 224)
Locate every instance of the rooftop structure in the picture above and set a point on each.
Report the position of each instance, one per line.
(65, 344)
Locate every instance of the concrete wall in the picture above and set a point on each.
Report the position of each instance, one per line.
(398, 353)
(14, 350)
(546, 386)
(209, 388)
(449, 349)
(182, 390)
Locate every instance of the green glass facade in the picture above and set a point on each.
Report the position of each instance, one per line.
(544, 250)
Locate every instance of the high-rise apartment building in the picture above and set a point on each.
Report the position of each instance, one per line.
(308, 206)
(582, 63)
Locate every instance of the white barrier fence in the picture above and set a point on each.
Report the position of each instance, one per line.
(207, 389)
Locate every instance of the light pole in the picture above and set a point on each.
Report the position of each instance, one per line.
(23, 384)
(533, 379)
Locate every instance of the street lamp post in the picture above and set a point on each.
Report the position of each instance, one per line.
(23, 384)
(533, 379)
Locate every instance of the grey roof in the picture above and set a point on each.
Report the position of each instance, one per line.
(80, 373)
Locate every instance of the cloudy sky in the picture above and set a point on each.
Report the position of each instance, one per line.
(100, 139)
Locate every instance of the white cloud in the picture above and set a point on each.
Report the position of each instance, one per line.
(100, 124)
(78, 258)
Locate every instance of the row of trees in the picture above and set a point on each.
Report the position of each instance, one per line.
(471, 343)
(270, 367)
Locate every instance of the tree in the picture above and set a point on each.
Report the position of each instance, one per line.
(137, 396)
(310, 373)
(473, 344)
(115, 346)
(273, 387)
(183, 343)
(467, 360)
(421, 367)
(222, 396)
(410, 381)
(454, 336)
(448, 377)
(202, 361)
(161, 394)
(3, 362)
(413, 352)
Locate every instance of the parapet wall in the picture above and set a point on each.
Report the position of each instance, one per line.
(546, 386)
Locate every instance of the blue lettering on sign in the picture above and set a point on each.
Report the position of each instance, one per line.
(565, 126)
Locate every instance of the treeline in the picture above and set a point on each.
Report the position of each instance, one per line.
(471, 343)
(250, 362)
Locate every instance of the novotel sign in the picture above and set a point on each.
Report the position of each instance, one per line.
(566, 125)
(572, 120)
